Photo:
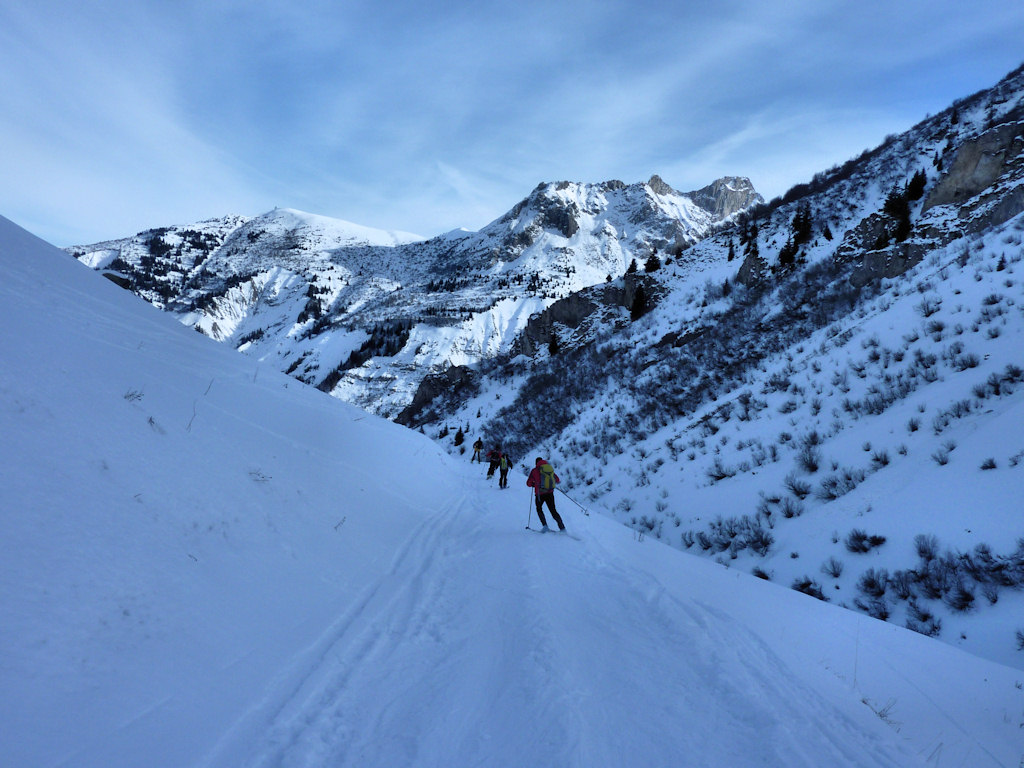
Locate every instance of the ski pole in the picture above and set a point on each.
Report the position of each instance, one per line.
(570, 498)
(529, 515)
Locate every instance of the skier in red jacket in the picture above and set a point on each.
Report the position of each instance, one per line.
(543, 480)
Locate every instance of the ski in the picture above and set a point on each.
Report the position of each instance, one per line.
(555, 533)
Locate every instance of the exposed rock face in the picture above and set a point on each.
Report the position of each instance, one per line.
(726, 196)
(983, 184)
(752, 271)
(978, 164)
(448, 382)
(574, 311)
(659, 187)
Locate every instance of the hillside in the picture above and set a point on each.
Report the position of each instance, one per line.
(823, 390)
(207, 564)
(845, 361)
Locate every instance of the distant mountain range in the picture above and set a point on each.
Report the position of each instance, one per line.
(366, 314)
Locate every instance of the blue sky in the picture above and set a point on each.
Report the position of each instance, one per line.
(425, 116)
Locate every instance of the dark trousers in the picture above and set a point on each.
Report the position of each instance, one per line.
(549, 499)
(503, 478)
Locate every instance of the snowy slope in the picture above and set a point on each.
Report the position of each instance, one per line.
(206, 564)
(769, 414)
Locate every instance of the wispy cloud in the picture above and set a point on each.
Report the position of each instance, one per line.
(424, 116)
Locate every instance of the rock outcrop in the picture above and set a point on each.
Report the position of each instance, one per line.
(575, 312)
(726, 196)
(979, 164)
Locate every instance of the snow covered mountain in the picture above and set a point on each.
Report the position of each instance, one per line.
(203, 563)
(367, 315)
(824, 390)
(829, 394)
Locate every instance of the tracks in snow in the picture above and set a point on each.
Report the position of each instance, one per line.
(484, 645)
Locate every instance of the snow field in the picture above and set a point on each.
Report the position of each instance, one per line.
(205, 563)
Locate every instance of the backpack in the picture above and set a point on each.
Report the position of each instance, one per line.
(503, 463)
(547, 478)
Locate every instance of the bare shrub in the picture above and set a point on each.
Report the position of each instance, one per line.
(719, 471)
(834, 486)
(791, 508)
(797, 487)
(832, 567)
(960, 598)
(876, 608)
(927, 546)
(859, 541)
(873, 583)
(902, 584)
(923, 621)
(928, 306)
(809, 587)
(809, 459)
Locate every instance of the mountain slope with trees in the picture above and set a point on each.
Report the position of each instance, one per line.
(827, 394)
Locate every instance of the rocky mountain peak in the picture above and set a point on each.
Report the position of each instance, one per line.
(659, 187)
(725, 196)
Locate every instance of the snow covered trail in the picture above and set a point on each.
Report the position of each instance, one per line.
(487, 645)
(204, 564)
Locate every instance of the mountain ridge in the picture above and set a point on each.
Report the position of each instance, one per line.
(319, 297)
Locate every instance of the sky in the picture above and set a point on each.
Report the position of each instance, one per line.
(118, 116)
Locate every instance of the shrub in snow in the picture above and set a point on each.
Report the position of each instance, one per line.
(834, 486)
(873, 583)
(790, 508)
(797, 487)
(964, 362)
(927, 546)
(859, 541)
(832, 567)
(762, 574)
(988, 463)
(901, 584)
(809, 459)
(718, 471)
(991, 593)
(759, 540)
(960, 598)
(809, 587)
(921, 620)
(875, 608)
(928, 306)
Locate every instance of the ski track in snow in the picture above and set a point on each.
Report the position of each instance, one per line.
(481, 637)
